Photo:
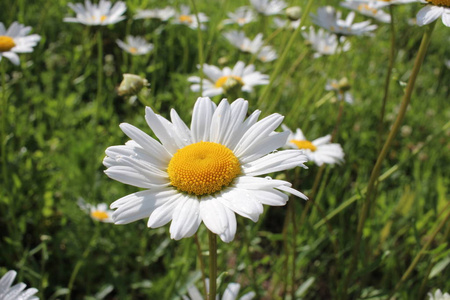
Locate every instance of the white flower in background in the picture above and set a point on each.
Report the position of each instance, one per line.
(243, 15)
(217, 80)
(433, 10)
(131, 85)
(163, 14)
(341, 88)
(269, 7)
(231, 293)
(281, 23)
(206, 173)
(97, 14)
(15, 292)
(15, 40)
(390, 2)
(320, 151)
(325, 43)
(438, 295)
(330, 19)
(135, 45)
(99, 212)
(447, 63)
(267, 54)
(186, 18)
(369, 8)
(243, 43)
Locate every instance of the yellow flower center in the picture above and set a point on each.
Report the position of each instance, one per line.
(6, 43)
(203, 168)
(365, 7)
(221, 81)
(445, 3)
(185, 19)
(133, 50)
(99, 215)
(304, 145)
(241, 21)
(103, 18)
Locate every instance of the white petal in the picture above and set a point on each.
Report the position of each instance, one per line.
(185, 218)
(218, 218)
(243, 202)
(201, 119)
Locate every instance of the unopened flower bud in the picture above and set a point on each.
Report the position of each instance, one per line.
(131, 85)
(293, 13)
(232, 86)
(344, 85)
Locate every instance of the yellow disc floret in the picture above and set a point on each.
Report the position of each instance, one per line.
(103, 18)
(6, 43)
(304, 145)
(203, 168)
(445, 3)
(99, 215)
(185, 19)
(221, 81)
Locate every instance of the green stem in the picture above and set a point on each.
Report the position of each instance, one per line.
(98, 103)
(4, 121)
(202, 265)
(392, 134)
(200, 46)
(212, 265)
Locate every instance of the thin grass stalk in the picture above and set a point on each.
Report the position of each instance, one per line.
(98, 99)
(4, 121)
(199, 46)
(212, 265)
(202, 265)
(392, 134)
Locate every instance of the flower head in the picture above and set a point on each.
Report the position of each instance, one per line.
(330, 19)
(205, 173)
(131, 85)
(99, 212)
(231, 292)
(215, 83)
(243, 15)
(320, 151)
(243, 43)
(135, 45)
(16, 40)
(438, 295)
(268, 7)
(97, 14)
(369, 8)
(186, 18)
(341, 88)
(163, 14)
(18, 291)
(433, 10)
(325, 43)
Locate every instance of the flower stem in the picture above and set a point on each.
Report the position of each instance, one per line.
(202, 265)
(199, 45)
(3, 133)
(392, 134)
(212, 265)
(98, 99)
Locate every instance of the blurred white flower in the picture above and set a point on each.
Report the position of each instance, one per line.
(97, 14)
(131, 85)
(243, 15)
(320, 151)
(163, 14)
(99, 212)
(186, 18)
(269, 7)
(341, 87)
(438, 295)
(281, 23)
(369, 8)
(330, 19)
(216, 82)
(267, 54)
(243, 43)
(135, 45)
(15, 40)
(325, 43)
(15, 292)
(433, 10)
(231, 293)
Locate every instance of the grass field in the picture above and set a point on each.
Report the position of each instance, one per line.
(60, 111)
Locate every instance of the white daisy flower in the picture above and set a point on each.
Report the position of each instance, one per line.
(369, 8)
(164, 14)
(15, 292)
(99, 212)
(243, 15)
(135, 45)
(97, 14)
(267, 54)
(320, 151)
(330, 19)
(439, 296)
(433, 10)
(269, 7)
(215, 83)
(281, 23)
(205, 173)
(231, 293)
(186, 18)
(15, 40)
(340, 87)
(325, 43)
(390, 2)
(243, 43)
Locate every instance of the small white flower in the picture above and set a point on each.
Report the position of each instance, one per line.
(231, 293)
(325, 43)
(391, 2)
(330, 19)
(267, 54)
(186, 18)
(433, 10)
(99, 212)
(135, 45)
(269, 7)
(206, 173)
(340, 87)
(97, 14)
(15, 292)
(243, 15)
(369, 8)
(213, 85)
(320, 151)
(439, 296)
(15, 40)
(243, 43)
(163, 14)
(281, 23)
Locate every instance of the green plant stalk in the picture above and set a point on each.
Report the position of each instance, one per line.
(388, 77)
(283, 57)
(202, 265)
(212, 265)
(392, 134)
(3, 134)
(200, 46)
(98, 99)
